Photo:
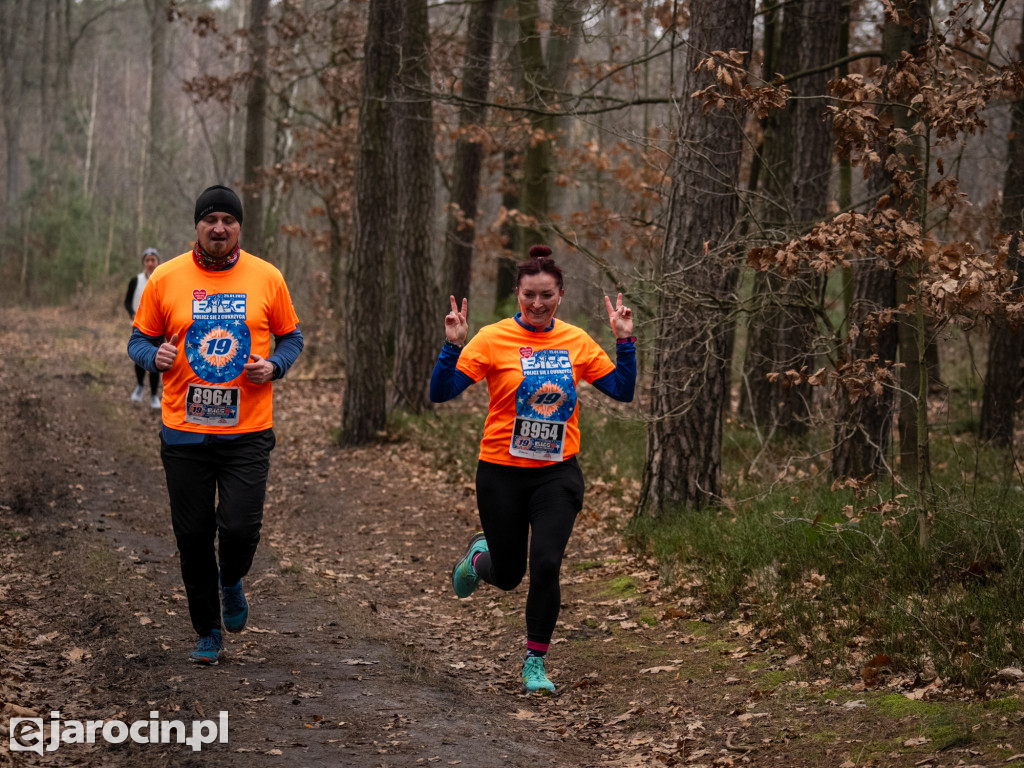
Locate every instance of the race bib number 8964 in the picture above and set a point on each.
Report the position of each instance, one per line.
(212, 405)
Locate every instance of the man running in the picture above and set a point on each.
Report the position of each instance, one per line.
(206, 319)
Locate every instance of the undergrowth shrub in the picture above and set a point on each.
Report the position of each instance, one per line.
(842, 578)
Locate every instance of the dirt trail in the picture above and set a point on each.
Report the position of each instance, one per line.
(101, 628)
(357, 654)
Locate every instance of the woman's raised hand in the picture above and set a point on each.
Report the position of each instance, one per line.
(620, 317)
(456, 327)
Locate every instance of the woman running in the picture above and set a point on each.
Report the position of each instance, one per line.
(150, 261)
(529, 486)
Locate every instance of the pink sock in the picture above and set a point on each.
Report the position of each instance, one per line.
(534, 648)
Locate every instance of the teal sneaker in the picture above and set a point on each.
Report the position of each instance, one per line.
(236, 607)
(208, 649)
(534, 677)
(464, 578)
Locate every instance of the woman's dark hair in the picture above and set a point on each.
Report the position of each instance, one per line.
(538, 262)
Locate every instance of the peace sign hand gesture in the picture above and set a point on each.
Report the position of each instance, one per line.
(456, 327)
(620, 317)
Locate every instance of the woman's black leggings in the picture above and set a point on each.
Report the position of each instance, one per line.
(154, 378)
(512, 502)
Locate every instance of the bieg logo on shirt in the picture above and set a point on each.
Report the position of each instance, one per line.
(219, 306)
(547, 361)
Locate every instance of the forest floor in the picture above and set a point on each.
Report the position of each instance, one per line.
(357, 652)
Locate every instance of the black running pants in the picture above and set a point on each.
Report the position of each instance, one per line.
(217, 490)
(528, 514)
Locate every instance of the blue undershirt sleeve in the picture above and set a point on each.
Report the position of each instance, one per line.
(286, 352)
(447, 381)
(142, 349)
(620, 383)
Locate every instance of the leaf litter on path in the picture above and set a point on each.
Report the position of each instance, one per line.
(354, 622)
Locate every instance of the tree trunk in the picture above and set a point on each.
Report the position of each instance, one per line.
(798, 156)
(1006, 345)
(897, 40)
(543, 80)
(47, 119)
(363, 413)
(416, 339)
(460, 230)
(863, 429)
(90, 136)
(15, 44)
(504, 284)
(690, 385)
(156, 168)
(255, 127)
(507, 29)
(759, 398)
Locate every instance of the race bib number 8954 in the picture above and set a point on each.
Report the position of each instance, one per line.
(538, 439)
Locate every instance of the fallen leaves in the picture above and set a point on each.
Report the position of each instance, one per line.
(874, 672)
(919, 694)
(917, 741)
(656, 670)
(8, 710)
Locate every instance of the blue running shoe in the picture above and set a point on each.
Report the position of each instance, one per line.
(208, 649)
(236, 607)
(464, 577)
(534, 677)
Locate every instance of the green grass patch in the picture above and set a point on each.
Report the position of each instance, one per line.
(622, 586)
(697, 628)
(776, 677)
(949, 736)
(897, 707)
(721, 647)
(1009, 705)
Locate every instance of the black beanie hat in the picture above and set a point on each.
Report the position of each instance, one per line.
(218, 199)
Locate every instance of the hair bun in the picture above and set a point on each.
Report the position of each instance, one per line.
(539, 251)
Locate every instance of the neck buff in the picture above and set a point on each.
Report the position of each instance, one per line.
(205, 261)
